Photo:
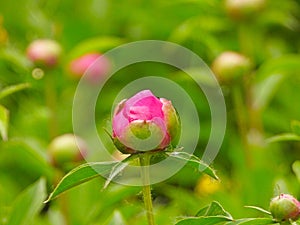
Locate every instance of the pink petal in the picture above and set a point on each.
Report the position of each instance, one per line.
(144, 105)
(140, 95)
(119, 124)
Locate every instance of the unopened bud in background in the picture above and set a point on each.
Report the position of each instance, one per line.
(285, 207)
(44, 52)
(66, 149)
(243, 9)
(93, 65)
(231, 65)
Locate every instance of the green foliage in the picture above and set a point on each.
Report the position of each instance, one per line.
(204, 220)
(194, 162)
(258, 209)
(4, 117)
(296, 169)
(215, 214)
(28, 204)
(295, 136)
(88, 171)
(4, 113)
(82, 174)
(213, 209)
(116, 219)
(295, 124)
(260, 153)
(101, 44)
(12, 89)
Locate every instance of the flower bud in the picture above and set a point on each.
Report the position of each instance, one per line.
(44, 52)
(94, 64)
(242, 9)
(285, 207)
(66, 149)
(231, 65)
(144, 123)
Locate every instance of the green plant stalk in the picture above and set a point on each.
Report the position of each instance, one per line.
(50, 98)
(246, 37)
(50, 95)
(144, 163)
(241, 116)
(63, 200)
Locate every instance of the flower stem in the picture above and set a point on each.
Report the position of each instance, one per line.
(144, 163)
(241, 114)
(50, 95)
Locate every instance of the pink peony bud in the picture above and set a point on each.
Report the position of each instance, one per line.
(144, 123)
(44, 52)
(285, 207)
(66, 149)
(95, 64)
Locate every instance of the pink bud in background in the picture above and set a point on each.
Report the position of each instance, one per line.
(94, 64)
(144, 123)
(285, 207)
(44, 52)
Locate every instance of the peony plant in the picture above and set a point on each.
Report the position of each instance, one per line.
(148, 129)
(144, 123)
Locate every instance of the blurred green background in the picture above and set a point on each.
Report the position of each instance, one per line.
(258, 158)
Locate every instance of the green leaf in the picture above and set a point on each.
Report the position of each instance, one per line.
(252, 221)
(258, 209)
(210, 220)
(199, 75)
(265, 90)
(117, 169)
(278, 17)
(81, 174)
(157, 157)
(25, 155)
(283, 137)
(185, 31)
(4, 117)
(270, 75)
(111, 200)
(12, 89)
(100, 44)
(116, 219)
(28, 204)
(213, 209)
(17, 59)
(194, 162)
(296, 169)
(280, 65)
(295, 125)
